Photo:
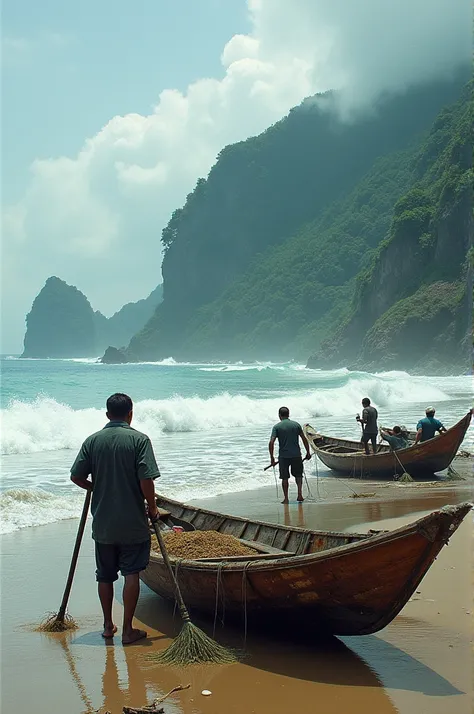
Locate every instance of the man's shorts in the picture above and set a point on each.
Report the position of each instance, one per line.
(129, 559)
(368, 437)
(296, 465)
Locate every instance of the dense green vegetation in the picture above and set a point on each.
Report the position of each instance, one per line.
(293, 295)
(418, 276)
(63, 324)
(280, 249)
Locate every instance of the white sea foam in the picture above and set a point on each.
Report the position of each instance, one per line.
(20, 508)
(48, 425)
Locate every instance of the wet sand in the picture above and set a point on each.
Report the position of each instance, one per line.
(420, 664)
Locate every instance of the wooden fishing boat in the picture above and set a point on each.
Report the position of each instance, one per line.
(419, 460)
(337, 583)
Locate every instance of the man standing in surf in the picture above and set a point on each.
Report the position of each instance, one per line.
(288, 433)
(369, 426)
(122, 466)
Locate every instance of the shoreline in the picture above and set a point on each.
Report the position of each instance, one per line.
(421, 662)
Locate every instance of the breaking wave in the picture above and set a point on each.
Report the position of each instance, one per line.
(49, 425)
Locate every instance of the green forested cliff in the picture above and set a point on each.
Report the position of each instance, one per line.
(63, 324)
(412, 306)
(263, 259)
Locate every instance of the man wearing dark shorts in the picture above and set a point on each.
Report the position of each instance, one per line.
(288, 433)
(369, 425)
(122, 466)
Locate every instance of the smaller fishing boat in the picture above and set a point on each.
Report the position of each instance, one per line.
(419, 460)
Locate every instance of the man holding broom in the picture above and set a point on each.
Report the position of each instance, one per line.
(122, 466)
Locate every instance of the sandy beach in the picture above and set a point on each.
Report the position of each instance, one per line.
(420, 664)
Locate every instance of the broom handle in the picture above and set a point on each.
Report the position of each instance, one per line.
(75, 554)
(182, 607)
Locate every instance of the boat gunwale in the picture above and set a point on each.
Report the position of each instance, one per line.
(379, 455)
(367, 542)
(296, 529)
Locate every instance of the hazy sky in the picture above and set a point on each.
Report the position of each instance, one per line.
(112, 110)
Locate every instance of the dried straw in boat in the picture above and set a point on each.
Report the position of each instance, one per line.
(202, 544)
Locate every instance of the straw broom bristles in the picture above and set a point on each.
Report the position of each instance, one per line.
(193, 646)
(55, 623)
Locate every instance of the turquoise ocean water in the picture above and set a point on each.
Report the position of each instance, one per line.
(209, 424)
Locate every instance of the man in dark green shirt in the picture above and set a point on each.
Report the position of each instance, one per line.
(288, 433)
(122, 466)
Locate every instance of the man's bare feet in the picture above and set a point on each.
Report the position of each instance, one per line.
(133, 636)
(109, 631)
(300, 499)
(285, 500)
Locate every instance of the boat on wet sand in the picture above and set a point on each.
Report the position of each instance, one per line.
(419, 460)
(335, 583)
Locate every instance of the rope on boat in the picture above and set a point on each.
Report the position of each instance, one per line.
(307, 484)
(405, 476)
(276, 482)
(244, 597)
(220, 565)
(316, 470)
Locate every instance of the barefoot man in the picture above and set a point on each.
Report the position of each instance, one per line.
(288, 433)
(122, 467)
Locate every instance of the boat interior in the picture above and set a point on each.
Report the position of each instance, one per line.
(270, 541)
(340, 446)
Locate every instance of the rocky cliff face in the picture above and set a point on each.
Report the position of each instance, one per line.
(260, 194)
(413, 308)
(62, 323)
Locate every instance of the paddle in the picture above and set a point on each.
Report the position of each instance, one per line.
(61, 621)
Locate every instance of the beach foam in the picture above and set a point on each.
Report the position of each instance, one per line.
(20, 508)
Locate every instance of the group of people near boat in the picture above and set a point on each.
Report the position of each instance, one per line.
(289, 433)
(397, 437)
(118, 465)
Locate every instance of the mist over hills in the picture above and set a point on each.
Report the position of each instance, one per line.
(345, 242)
(267, 257)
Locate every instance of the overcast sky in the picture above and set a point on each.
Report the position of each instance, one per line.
(112, 110)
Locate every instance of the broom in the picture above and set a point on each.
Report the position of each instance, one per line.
(61, 621)
(192, 645)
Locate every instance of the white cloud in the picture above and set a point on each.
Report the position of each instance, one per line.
(95, 219)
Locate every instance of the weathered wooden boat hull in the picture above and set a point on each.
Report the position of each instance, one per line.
(338, 583)
(419, 460)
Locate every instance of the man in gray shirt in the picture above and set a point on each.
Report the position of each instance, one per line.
(369, 425)
(288, 433)
(122, 467)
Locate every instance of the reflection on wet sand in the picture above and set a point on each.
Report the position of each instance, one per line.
(289, 517)
(310, 668)
(133, 688)
(280, 668)
(64, 639)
